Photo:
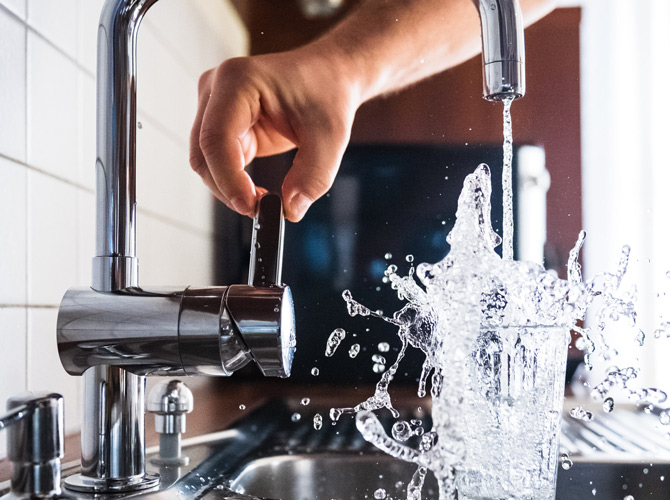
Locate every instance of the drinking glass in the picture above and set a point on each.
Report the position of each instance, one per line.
(514, 387)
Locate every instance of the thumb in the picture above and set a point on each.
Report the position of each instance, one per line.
(313, 171)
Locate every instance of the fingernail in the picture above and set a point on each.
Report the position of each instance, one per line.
(240, 205)
(300, 204)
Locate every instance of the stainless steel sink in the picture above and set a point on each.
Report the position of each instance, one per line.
(268, 456)
(325, 476)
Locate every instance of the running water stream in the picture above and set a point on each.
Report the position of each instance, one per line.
(508, 202)
(496, 329)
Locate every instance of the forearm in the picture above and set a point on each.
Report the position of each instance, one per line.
(386, 45)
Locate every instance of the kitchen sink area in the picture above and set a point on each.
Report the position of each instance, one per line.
(271, 454)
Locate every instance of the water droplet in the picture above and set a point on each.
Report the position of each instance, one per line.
(304, 401)
(334, 341)
(401, 431)
(409, 258)
(318, 421)
(335, 414)
(640, 338)
(378, 358)
(399, 485)
(315, 371)
(593, 492)
(383, 347)
(629, 497)
(378, 368)
(608, 405)
(664, 417)
(354, 350)
(565, 461)
(380, 494)
(242, 407)
(580, 413)
(419, 431)
(389, 256)
(296, 417)
(139, 125)
(645, 471)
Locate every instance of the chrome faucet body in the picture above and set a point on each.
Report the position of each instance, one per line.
(115, 332)
(503, 49)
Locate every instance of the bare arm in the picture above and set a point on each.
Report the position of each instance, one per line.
(307, 97)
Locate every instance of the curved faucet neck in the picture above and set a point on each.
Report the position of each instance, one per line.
(115, 265)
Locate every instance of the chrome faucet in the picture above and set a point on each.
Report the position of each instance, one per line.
(115, 332)
(503, 50)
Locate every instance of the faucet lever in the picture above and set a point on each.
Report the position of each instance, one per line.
(267, 242)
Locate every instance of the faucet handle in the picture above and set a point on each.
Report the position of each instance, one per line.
(262, 311)
(267, 242)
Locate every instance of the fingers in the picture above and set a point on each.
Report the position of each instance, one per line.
(221, 134)
(314, 168)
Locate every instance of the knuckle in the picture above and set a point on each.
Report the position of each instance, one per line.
(210, 140)
(315, 186)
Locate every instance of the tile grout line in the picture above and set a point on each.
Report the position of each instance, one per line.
(155, 215)
(28, 306)
(48, 174)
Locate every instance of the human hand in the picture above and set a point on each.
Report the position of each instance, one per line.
(269, 104)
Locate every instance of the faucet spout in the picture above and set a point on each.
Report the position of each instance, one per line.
(503, 50)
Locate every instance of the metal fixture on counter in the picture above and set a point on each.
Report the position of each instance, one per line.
(170, 401)
(115, 332)
(34, 425)
(503, 49)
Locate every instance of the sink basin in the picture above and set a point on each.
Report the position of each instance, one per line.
(328, 476)
(351, 477)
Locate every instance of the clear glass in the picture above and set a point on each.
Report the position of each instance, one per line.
(512, 412)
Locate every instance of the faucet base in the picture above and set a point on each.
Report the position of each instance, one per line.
(85, 484)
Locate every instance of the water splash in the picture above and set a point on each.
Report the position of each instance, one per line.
(468, 311)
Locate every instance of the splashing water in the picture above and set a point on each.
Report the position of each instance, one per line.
(495, 335)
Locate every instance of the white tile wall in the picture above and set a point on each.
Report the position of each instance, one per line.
(47, 165)
(55, 21)
(18, 7)
(13, 367)
(13, 88)
(52, 238)
(52, 109)
(13, 195)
